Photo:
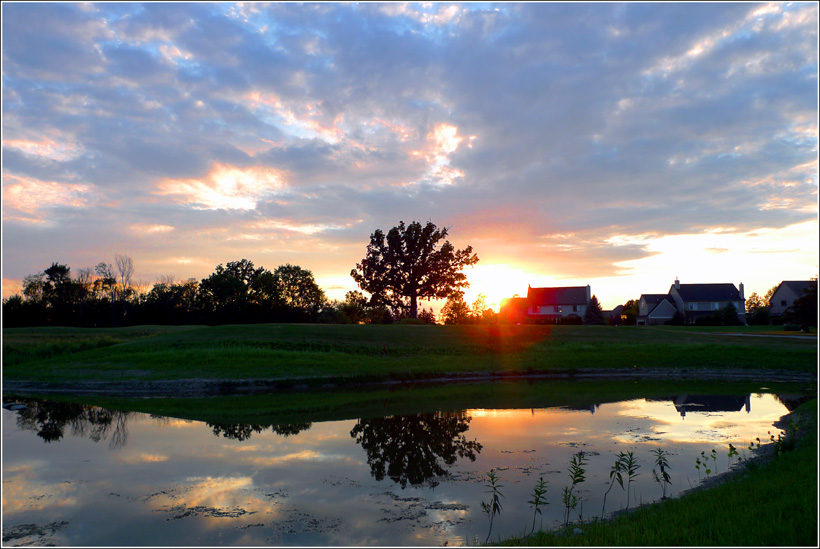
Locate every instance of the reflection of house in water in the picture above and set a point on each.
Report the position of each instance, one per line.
(590, 408)
(712, 403)
(583, 408)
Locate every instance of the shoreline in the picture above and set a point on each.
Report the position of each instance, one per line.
(223, 387)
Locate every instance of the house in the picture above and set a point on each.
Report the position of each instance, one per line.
(557, 303)
(785, 294)
(614, 315)
(699, 300)
(547, 305)
(655, 309)
(513, 310)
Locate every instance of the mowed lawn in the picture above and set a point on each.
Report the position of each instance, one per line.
(376, 352)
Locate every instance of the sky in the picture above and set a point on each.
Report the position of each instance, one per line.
(616, 145)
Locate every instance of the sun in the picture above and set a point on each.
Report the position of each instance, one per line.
(496, 282)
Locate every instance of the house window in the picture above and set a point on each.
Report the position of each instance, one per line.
(693, 306)
(783, 302)
(558, 309)
(575, 308)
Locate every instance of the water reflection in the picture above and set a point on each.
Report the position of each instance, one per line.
(712, 403)
(243, 431)
(50, 420)
(411, 449)
(396, 480)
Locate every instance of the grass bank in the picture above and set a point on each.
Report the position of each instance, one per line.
(321, 353)
(768, 504)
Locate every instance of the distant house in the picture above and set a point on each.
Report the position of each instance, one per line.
(557, 303)
(785, 294)
(614, 315)
(700, 300)
(546, 304)
(655, 309)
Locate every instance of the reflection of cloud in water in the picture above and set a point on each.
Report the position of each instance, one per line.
(667, 424)
(20, 493)
(144, 458)
(301, 456)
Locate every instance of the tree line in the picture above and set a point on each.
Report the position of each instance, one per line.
(410, 263)
(237, 292)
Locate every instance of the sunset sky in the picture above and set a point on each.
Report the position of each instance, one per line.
(616, 145)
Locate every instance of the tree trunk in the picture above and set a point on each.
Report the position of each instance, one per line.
(414, 306)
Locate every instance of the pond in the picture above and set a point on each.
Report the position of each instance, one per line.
(75, 474)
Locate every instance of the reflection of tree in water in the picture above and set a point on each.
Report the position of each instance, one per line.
(244, 431)
(50, 419)
(410, 449)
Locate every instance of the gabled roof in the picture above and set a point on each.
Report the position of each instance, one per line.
(574, 295)
(797, 286)
(707, 292)
(654, 299)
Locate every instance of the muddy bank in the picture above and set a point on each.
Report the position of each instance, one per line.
(217, 387)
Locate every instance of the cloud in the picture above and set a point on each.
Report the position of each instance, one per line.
(34, 201)
(264, 130)
(224, 187)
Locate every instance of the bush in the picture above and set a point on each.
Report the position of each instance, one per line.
(412, 321)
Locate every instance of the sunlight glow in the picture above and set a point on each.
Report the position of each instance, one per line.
(225, 187)
(496, 282)
(442, 141)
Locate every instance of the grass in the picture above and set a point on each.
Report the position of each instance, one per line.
(377, 352)
(773, 504)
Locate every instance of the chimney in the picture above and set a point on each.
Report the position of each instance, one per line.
(740, 288)
(589, 293)
(677, 283)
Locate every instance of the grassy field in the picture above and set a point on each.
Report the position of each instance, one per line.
(774, 504)
(321, 353)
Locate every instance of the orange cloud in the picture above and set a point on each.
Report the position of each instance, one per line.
(31, 197)
(44, 147)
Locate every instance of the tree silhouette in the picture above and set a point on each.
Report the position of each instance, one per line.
(408, 265)
(244, 431)
(594, 314)
(411, 449)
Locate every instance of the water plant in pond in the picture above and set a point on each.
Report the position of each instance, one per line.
(662, 476)
(733, 453)
(615, 475)
(493, 507)
(631, 467)
(576, 475)
(538, 499)
(714, 459)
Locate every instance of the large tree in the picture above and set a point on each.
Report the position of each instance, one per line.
(411, 263)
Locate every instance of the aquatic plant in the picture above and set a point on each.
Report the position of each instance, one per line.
(493, 507)
(732, 453)
(538, 499)
(631, 467)
(614, 475)
(576, 475)
(661, 477)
